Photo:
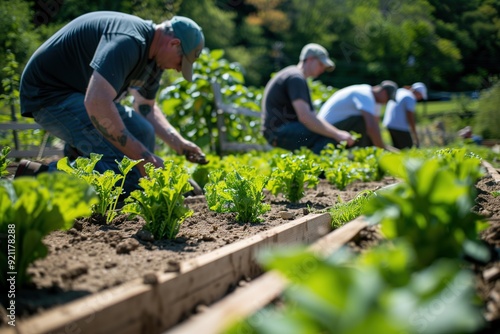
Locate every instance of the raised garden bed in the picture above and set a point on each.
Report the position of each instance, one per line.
(104, 265)
(100, 272)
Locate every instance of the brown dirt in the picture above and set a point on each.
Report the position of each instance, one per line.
(488, 274)
(92, 257)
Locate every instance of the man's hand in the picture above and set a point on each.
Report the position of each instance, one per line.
(196, 158)
(193, 153)
(345, 136)
(154, 159)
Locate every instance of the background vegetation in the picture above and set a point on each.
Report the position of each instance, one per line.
(452, 46)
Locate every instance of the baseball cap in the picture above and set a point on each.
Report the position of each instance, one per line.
(390, 87)
(316, 50)
(192, 42)
(421, 88)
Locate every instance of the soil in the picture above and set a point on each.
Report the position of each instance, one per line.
(92, 256)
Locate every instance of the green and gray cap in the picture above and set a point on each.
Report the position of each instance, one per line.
(192, 42)
(390, 87)
(316, 50)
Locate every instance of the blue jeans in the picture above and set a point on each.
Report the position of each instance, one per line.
(293, 136)
(70, 122)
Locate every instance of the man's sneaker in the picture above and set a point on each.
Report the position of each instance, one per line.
(30, 168)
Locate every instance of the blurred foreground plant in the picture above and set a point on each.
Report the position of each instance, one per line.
(30, 209)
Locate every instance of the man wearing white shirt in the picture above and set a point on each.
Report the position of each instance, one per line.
(356, 108)
(399, 117)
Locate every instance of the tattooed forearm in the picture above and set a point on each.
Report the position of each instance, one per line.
(145, 109)
(122, 139)
(102, 128)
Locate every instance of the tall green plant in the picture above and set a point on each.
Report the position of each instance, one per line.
(4, 162)
(33, 207)
(190, 106)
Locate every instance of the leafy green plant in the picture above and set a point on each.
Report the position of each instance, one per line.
(342, 174)
(291, 174)
(240, 191)
(430, 208)
(33, 207)
(369, 157)
(161, 202)
(4, 162)
(106, 185)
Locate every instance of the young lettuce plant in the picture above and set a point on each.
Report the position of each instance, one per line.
(107, 185)
(240, 191)
(291, 174)
(343, 173)
(33, 207)
(161, 202)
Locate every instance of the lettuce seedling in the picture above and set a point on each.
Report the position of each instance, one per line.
(239, 191)
(161, 202)
(31, 208)
(343, 173)
(291, 174)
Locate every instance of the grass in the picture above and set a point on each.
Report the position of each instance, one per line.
(344, 212)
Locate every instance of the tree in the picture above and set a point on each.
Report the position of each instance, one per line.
(16, 34)
(473, 25)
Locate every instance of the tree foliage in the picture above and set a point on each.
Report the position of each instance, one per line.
(450, 45)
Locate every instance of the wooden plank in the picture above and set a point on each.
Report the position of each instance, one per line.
(245, 147)
(135, 307)
(492, 171)
(261, 291)
(229, 109)
(19, 126)
(224, 109)
(35, 153)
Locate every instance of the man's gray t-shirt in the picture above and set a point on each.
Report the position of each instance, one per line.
(116, 45)
(285, 87)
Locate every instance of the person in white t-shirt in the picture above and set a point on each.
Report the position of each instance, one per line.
(357, 108)
(399, 117)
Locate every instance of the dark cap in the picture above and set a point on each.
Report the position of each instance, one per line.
(192, 42)
(390, 87)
